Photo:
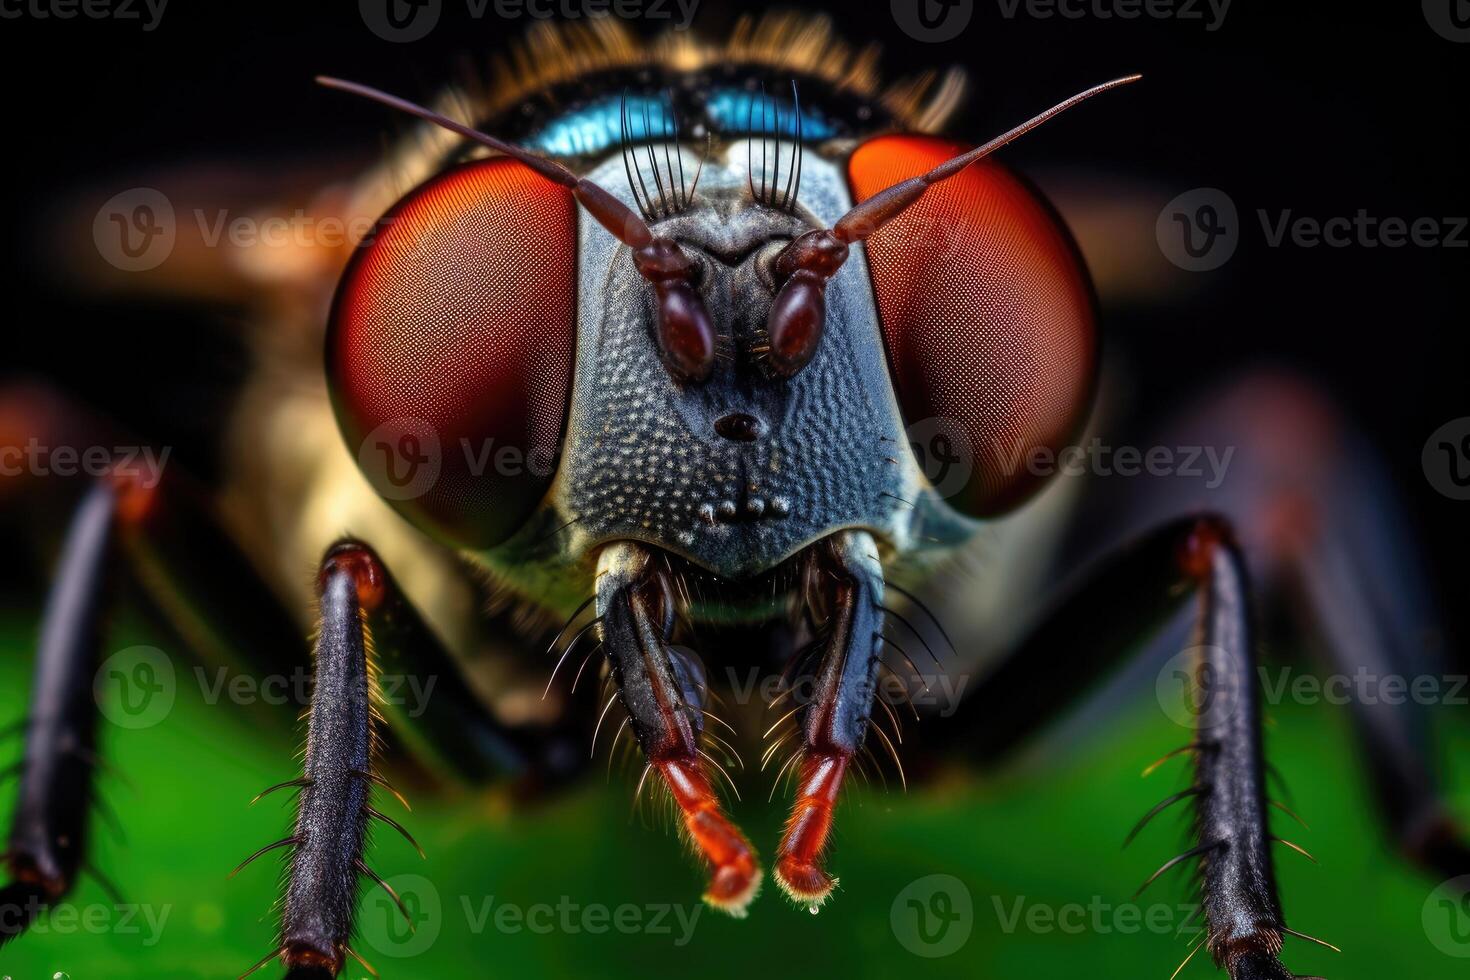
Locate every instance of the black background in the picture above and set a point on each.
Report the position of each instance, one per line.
(1320, 108)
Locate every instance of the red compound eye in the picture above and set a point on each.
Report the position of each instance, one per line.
(987, 315)
(450, 348)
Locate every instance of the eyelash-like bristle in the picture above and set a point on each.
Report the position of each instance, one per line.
(770, 192)
(675, 195)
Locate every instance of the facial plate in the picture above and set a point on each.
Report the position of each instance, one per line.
(643, 459)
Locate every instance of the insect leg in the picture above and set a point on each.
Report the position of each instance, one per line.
(335, 802)
(208, 592)
(47, 844)
(835, 721)
(367, 626)
(1331, 550)
(664, 700)
(192, 574)
(428, 704)
(1327, 536)
(1394, 733)
(1097, 624)
(1242, 910)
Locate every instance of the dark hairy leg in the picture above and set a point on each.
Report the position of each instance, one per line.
(664, 692)
(47, 844)
(366, 626)
(358, 601)
(664, 696)
(156, 530)
(845, 587)
(1101, 620)
(336, 786)
(1332, 549)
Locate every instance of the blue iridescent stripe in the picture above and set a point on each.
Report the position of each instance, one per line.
(735, 111)
(594, 127)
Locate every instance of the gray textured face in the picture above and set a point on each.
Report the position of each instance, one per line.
(642, 457)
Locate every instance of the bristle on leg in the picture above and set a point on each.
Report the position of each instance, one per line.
(798, 869)
(664, 697)
(735, 876)
(835, 722)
